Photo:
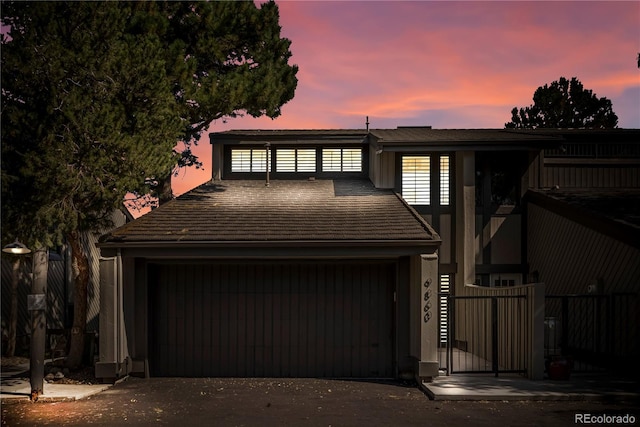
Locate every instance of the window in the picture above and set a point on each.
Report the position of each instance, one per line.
(351, 160)
(416, 179)
(240, 160)
(498, 175)
(249, 160)
(307, 160)
(286, 160)
(296, 160)
(342, 160)
(331, 160)
(444, 181)
(445, 289)
(259, 160)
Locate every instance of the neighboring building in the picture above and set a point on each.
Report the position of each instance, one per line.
(59, 287)
(583, 242)
(321, 252)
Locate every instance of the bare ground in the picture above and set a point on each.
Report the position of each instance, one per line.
(83, 375)
(300, 401)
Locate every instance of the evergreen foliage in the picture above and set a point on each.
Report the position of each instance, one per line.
(223, 59)
(87, 115)
(96, 95)
(564, 104)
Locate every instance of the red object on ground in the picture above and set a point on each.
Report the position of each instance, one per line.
(559, 369)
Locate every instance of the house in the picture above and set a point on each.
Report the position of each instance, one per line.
(322, 252)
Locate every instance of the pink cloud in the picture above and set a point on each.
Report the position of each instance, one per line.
(405, 57)
(447, 64)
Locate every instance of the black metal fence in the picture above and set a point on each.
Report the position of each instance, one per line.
(595, 332)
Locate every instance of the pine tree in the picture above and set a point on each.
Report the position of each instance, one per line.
(224, 59)
(95, 96)
(564, 104)
(87, 115)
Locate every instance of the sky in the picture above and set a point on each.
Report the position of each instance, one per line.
(444, 64)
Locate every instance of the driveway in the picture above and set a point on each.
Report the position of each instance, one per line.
(296, 402)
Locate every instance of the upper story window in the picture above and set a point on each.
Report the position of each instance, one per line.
(416, 179)
(445, 189)
(342, 160)
(296, 160)
(243, 161)
(426, 179)
(250, 160)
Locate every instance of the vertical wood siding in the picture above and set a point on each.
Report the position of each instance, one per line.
(89, 241)
(59, 288)
(382, 169)
(566, 176)
(569, 256)
(55, 297)
(272, 320)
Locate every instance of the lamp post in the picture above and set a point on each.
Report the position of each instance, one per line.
(36, 304)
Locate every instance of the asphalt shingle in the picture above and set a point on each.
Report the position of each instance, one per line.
(293, 210)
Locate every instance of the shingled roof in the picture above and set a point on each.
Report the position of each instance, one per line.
(412, 138)
(242, 211)
(612, 211)
(409, 136)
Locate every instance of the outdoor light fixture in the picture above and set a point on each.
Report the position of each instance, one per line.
(16, 248)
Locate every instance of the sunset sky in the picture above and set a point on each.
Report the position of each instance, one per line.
(445, 64)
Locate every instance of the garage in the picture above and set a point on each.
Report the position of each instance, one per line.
(299, 278)
(272, 319)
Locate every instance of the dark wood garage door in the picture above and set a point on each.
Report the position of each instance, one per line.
(272, 320)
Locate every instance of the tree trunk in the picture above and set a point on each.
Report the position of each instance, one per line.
(164, 190)
(13, 312)
(80, 264)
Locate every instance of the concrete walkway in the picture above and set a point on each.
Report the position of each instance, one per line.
(487, 387)
(15, 385)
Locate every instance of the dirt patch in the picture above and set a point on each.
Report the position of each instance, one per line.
(8, 362)
(83, 375)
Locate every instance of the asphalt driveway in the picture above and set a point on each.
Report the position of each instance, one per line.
(275, 402)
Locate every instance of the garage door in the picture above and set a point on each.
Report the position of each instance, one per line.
(272, 320)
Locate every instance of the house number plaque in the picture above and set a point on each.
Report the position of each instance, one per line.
(427, 300)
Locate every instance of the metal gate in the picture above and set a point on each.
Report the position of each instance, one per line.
(485, 333)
